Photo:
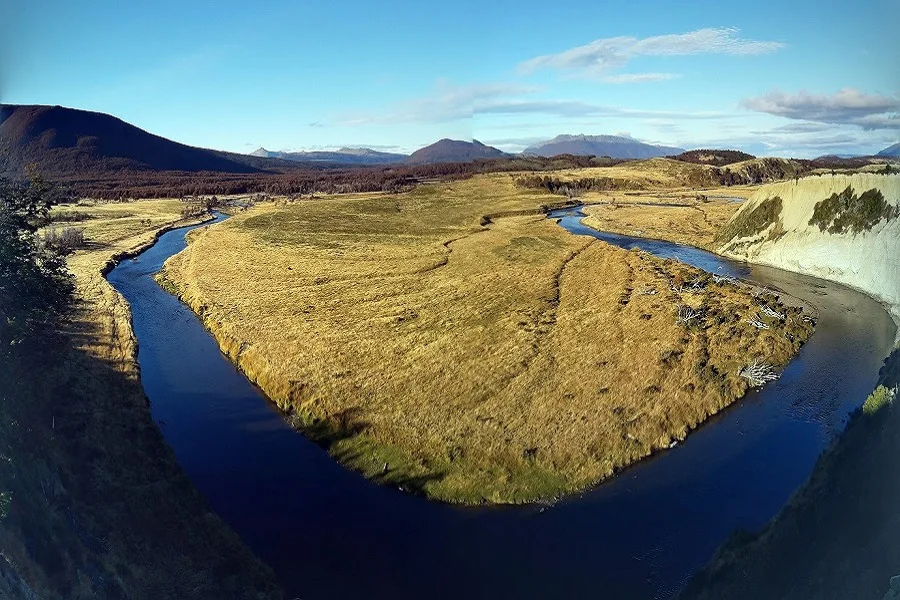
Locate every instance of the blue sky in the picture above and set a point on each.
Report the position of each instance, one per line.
(773, 78)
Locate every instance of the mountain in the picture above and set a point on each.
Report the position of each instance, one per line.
(716, 158)
(613, 146)
(446, 150)
(890, 151)
(344, 156)
(66, 141)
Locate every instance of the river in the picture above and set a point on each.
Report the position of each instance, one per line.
(329, 533)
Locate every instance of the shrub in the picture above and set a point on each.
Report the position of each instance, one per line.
(878, 399)
(72, 216)
(64, 240)
(846, 211)
(748, 223)
(35, 287)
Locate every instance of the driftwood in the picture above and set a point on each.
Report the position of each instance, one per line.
(758, 373)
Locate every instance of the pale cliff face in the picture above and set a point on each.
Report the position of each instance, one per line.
(868, 260)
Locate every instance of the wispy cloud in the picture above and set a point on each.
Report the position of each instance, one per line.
(450, 103)
(800, 140)
(601, 56)
(447, 102)
(579, 109)
(638, 77)
(847, 106)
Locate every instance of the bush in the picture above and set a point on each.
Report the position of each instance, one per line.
(748, 223)
(878, 399)
(35, 287)
(846, 211)
(64, 240)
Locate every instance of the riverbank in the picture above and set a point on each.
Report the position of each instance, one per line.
(95, 504)
(844, 228)
(840, 533)
(472, 363)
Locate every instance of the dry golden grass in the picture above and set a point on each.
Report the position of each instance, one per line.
(112, 229)
(653, 173)
(695, 225)
(505, 363)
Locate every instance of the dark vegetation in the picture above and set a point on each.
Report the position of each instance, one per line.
(846, 211)
(748, 223)
(35, 287)
(574, 187)
(716, 158)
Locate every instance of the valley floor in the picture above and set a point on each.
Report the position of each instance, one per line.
(433, 343)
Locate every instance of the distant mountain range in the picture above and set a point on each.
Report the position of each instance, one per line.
(344, 156)
(892, 151)
(613, 146)
(63, 141)
(447, 150)
(66, 142)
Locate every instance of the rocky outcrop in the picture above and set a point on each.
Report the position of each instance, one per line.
(844, 228)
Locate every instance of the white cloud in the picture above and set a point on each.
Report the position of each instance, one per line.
(446, 103)
(639, 77)
(601, 56)
(449, 103)
(847, 106)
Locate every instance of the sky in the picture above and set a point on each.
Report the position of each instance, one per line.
(795, 78)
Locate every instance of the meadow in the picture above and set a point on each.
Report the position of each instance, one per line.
(453, 342)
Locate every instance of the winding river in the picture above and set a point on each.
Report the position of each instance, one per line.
(329, 533)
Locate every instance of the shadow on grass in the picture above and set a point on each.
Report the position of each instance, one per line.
(92, 501)
(340, 436)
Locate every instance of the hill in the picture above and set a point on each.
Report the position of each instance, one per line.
(63, 141)
(891, 151)
(613, 146)
(717, 158)
(446, 150)
(344, 156)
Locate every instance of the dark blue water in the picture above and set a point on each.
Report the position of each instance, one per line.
(329, 533)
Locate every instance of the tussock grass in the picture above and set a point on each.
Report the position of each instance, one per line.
(471, 359)
(694, 225)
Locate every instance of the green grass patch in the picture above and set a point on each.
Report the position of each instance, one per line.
(846, 211)
(877, 400)
(749, 223)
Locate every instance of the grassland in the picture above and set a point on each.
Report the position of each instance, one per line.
(466, 357)
(660, 199)
(92, 502)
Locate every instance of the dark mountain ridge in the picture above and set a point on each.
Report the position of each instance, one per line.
(62, 141)
(891, 151)
(613, 146)
(447, 150)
